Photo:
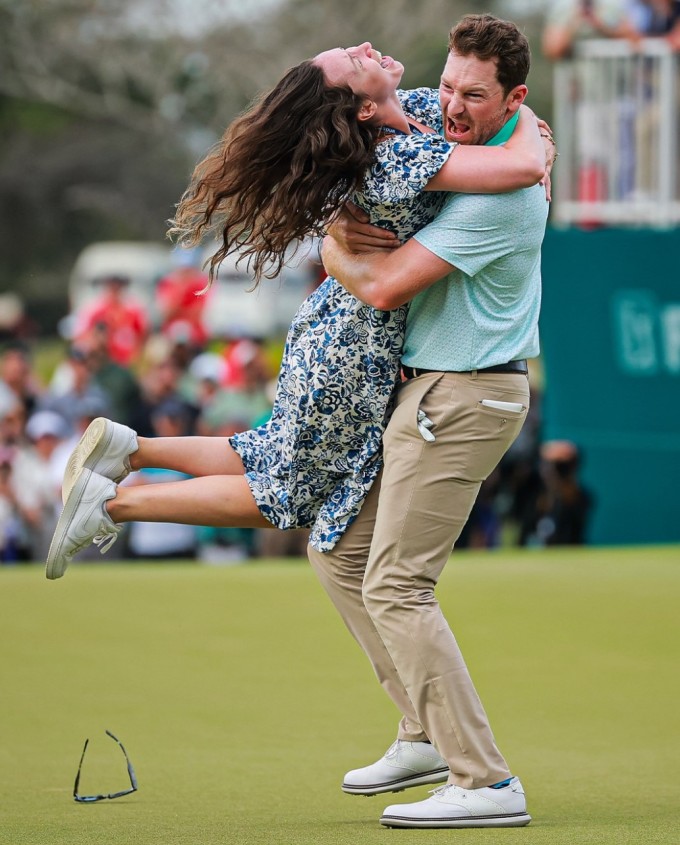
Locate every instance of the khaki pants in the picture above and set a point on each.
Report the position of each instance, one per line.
(382, 573)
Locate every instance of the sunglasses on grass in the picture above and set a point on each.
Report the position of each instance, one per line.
(90, 799)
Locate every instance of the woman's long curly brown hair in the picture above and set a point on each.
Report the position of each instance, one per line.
(282, 170)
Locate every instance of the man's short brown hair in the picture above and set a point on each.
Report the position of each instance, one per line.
(487, 37)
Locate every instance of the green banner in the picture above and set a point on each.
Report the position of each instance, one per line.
(610, 336)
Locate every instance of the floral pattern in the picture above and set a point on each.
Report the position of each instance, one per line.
(312, 464)
(422, 104)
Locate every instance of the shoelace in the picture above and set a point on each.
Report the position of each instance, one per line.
(106, 539)
(440, 790)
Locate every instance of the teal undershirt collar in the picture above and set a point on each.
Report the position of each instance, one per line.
(504, 133)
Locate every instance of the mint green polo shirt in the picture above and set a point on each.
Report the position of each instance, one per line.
(485, 312)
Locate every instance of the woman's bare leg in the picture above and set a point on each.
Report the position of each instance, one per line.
(217, 500)
(198, 456)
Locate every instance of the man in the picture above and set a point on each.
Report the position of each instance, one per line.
(462, 405)
(658, 19)
(179, 299)
(571, 20)
(119, 316)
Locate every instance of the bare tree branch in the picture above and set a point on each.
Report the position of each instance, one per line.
(131, 61)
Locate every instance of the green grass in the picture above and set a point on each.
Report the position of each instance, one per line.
(242, 700)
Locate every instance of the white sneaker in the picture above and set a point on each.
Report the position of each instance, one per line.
(404, 764)
(105, 448)
(84, 520)
(453, 806)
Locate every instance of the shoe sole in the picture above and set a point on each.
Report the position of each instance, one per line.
(509, 820)
(399, 785)
(56, 563)
(91, 447)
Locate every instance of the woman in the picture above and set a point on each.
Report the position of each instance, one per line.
(331, 130)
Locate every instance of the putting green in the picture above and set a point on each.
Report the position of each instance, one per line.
(242, 700)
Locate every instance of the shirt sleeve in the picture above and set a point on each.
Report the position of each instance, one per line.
(404, 165)
(422, 104)
(471, 231)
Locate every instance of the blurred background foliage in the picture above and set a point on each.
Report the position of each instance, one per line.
(105, 105)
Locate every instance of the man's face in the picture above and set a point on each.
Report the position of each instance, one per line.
(474, 105)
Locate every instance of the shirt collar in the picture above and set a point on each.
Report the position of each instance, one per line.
(504, 133)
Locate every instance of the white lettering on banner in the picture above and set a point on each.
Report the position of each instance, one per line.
(670, 323)
(636, 325)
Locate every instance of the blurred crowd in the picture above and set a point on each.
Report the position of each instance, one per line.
(170, 381)
(570, 20)
(176, 382)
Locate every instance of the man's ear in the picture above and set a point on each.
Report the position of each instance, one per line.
(367, 109)
(516, 97)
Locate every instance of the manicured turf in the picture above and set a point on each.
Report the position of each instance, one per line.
(242, 700)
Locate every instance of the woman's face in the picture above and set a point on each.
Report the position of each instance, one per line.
(366, 71)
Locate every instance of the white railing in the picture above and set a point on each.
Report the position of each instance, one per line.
(616, 123)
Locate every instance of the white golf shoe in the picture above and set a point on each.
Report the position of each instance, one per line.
(84, 520)
(501, 805)
(104, 448)
(404, 764)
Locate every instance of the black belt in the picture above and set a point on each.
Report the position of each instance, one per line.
(511, 367)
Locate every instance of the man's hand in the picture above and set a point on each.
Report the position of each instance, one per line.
(384, 279)
(550, 155)
(352, 230)
(549, 148)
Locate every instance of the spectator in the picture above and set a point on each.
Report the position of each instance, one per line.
(243, 401)
(563, 505)
(118, 383)
(37, 476)
(658, 18)
(72, 385)
(171, 418)
(241, 354)
(119, 316)
(84, 410)
(160, 383)
(29, 484)
(571, 20)
(17, 373)
(206, 375)
(181, 349)
(15, 324)
(182, 298)
(11, 420)
(8, 517)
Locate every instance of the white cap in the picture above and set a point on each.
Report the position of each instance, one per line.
(46, 423)
(208, 366)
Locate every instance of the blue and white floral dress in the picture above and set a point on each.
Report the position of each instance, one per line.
(312, 464)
